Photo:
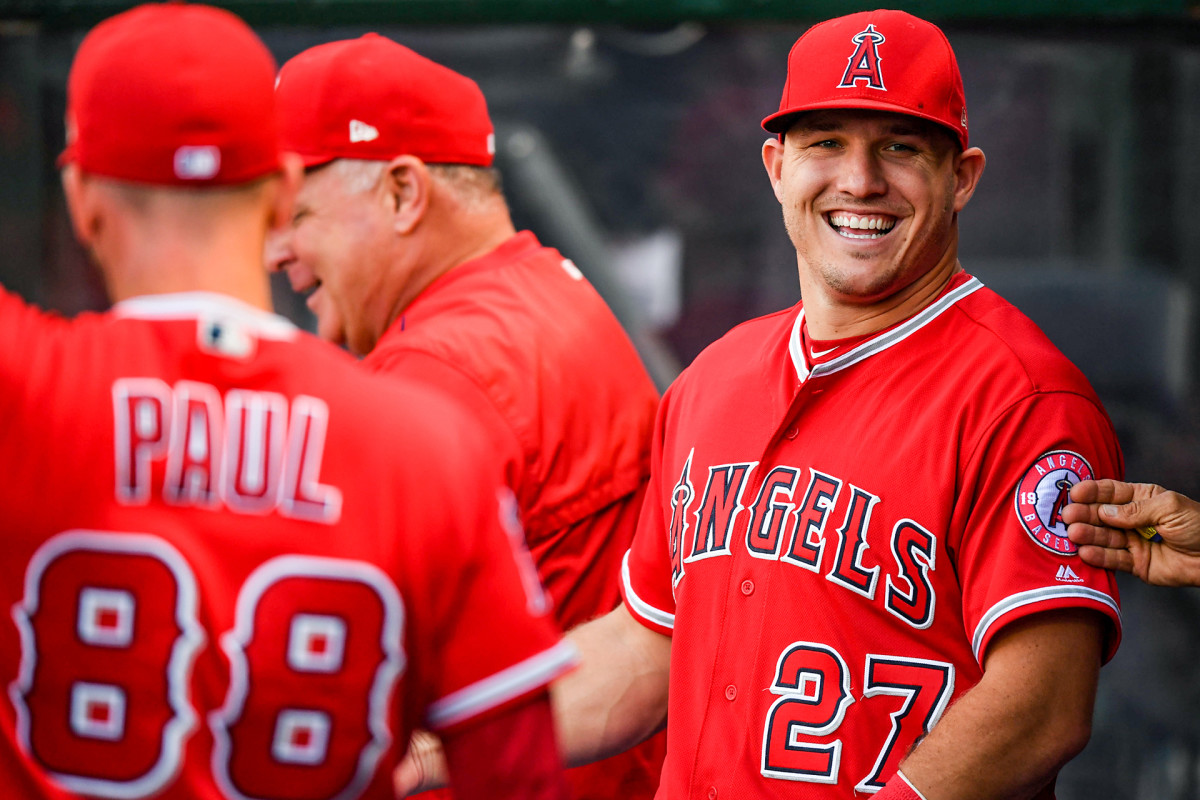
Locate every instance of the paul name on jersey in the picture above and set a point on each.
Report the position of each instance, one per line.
(252, 452)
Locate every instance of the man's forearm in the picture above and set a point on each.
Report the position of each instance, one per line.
(1031, 713)
(618, 695)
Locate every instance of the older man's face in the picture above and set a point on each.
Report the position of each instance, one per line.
(337, 251)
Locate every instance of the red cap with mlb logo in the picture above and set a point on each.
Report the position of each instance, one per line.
(882, 60)
(172, 94)
(374, 99)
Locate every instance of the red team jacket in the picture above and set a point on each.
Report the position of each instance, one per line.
(531, 349)
(832, 543)
(224, 576)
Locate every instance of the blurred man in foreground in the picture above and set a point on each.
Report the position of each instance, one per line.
(236, 565)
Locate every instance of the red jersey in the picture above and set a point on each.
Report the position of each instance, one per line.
(233, 569)
(530, 348)
(832, 541)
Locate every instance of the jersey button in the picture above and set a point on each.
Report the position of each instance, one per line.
(712, 793)
(747, 588)
(792, 433)
(731, 692)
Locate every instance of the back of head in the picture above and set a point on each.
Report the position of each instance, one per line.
(172, 95)
(877, 60)
(373, 99)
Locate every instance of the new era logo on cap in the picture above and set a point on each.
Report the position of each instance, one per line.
(362, 132)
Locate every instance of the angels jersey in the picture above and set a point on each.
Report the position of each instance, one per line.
(235, 566)
(524, 342)
(833, 541)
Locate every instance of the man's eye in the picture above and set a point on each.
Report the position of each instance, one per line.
(901, 147)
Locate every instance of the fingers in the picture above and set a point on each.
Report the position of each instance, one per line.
(1082, 533)
(1104, 491)
(406, 779)
(1107, 557)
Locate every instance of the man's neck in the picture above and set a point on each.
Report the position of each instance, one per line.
(448, 244)
(161, 265)
(829, 318)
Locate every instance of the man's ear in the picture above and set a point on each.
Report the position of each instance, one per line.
(772, 155)
(82, 205)
(968, 168)
(408, 185)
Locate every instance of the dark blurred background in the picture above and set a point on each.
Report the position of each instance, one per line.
(628, 137)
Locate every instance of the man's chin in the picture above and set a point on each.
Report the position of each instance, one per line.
(334, 334)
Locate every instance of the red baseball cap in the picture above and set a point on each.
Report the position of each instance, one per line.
(882, 60)
(374, 99)
(172, 94)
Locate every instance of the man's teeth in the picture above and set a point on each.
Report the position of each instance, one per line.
(851, 221)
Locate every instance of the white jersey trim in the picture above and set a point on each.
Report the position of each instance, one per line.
(879, 343)
(641, 607)
(194, 305)
(503, 686)
(915, 790)
(1032, 597)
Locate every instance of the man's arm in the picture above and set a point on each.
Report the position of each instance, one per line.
(1103, 518)
(616, 698)
(1031, 712)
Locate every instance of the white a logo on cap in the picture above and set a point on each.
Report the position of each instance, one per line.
(362, 132)
(864, 62)
(197, 162)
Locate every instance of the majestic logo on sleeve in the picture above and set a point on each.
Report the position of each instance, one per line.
(864, 63)
(1044, 492)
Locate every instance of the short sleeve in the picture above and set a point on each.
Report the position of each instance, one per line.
(485, 635)
(647, 582)
(1013, 557)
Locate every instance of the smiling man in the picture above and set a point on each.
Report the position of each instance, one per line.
(403, 243)
(851, 570)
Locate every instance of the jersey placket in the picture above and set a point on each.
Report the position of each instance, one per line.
(737, 680)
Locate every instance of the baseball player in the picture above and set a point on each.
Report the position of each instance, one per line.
(236, 566)
(851, 567)
(404, 245)
(1136, 527)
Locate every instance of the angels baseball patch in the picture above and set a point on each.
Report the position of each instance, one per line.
(1044, 492)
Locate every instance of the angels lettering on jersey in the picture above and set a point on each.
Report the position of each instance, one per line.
(819, 522)
(252, 452)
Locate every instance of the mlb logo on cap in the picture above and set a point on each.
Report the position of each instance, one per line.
(881, 60)
(197, 163)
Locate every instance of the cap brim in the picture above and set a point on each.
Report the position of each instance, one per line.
(780, 121)
(310, 160)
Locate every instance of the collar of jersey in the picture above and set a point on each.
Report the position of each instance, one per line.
(195, 305)
(875, 344)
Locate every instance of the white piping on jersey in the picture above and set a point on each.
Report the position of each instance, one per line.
(1036, 596)
(503, 686)
(640, 606)
(915, 790)
(193, 305)
(879, 343)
